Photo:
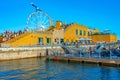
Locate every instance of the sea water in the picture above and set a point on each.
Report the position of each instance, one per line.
(40, 69)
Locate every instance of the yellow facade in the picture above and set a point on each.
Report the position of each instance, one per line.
(59, 34)
(113, 38)
(31, 39)
(103, 38)
(74, 32)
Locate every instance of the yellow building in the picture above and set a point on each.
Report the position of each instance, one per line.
(30, 39)
(58, 34)
(103, 38)
(75, 31)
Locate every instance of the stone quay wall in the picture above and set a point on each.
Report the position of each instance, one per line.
(19, 53)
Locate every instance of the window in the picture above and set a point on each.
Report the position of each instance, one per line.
(61, 40)
(84, 33)
(48, 40)
(80, 32)
(40, 40)
(89, 33)
(76, 31)
(55, 40)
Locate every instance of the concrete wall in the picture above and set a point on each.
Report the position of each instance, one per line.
(19, 53)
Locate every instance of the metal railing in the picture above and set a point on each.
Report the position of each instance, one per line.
(87, 55)
(99, 52)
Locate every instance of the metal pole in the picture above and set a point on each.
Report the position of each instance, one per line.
(110, 51)
(99, 55)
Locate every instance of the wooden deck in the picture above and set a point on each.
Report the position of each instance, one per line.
(105, 62)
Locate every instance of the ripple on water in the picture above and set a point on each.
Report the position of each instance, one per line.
(39, 69)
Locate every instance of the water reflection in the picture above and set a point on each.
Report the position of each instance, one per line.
(39, 69)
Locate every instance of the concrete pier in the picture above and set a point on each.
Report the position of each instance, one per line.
(19, 53)
(104, 62)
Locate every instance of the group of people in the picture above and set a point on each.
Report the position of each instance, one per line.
(7, 35)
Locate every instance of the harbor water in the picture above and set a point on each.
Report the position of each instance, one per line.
(40, 69)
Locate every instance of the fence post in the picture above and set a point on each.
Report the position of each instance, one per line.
(99, 55)
(110, 52)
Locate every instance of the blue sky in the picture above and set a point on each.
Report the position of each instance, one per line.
(101, 14)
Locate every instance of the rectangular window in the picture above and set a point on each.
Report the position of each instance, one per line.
(80, 32)
(89, 33)
(48, 40)
(76, 31)
(84, 33)
(61, 40)
(55, 40)
(41, 41)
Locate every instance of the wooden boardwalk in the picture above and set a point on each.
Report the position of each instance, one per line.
(105, 62)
